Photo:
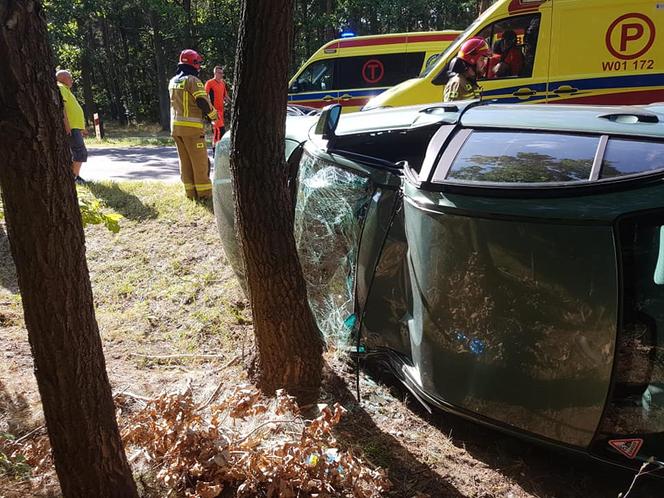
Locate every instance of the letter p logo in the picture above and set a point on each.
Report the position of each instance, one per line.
(630, 36)
(630, 32)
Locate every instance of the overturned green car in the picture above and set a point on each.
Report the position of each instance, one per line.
(507, 262)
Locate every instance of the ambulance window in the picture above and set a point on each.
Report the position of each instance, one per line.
(317, 77)
(375, 71)
(513, 42)
(628, 157)
(523, 157)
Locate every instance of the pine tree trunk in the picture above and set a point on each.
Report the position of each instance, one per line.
(482, 5)
(160, 71)
(86, 75)
(47, 243)
(289, 344)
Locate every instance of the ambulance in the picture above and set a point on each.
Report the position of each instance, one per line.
(572, 52)
(350, 71)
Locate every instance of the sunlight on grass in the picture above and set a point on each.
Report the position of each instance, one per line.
(163, 279)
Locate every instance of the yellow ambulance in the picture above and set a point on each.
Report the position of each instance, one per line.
(571, 51)
(350, 71)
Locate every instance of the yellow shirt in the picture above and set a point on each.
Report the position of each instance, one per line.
(73, 110)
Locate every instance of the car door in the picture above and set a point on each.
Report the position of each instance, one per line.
(527, 60)
(316, 85)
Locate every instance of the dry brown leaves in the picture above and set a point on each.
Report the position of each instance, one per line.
(253, 445)
(260, 446)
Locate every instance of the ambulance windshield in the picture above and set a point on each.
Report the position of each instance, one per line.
(451, 49)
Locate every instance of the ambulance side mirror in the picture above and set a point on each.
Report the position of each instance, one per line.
(328, 121)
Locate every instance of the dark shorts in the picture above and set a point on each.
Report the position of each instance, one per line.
(79, 153)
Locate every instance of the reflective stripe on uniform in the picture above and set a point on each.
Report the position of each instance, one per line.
(200, 93)
(203, 186)
(188, 124)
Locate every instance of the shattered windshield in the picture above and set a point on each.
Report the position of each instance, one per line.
(330, 212)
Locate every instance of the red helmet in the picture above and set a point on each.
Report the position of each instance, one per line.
(192, 58)
(472, 50)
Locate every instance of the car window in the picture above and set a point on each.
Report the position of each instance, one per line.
(513, 42)
(382, 70)
(317, 77)
(627, 157)
(523, 157)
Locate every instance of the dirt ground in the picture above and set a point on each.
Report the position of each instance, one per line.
(170, 312)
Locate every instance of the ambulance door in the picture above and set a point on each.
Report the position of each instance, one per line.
(361, 77)
(607, 52)
(518, 71)
(316, 85)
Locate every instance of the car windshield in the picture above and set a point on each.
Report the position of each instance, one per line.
(451, 48)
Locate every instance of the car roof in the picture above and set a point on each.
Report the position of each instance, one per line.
(645, 121)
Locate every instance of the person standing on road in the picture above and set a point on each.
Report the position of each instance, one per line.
(470, 64)
(74, 121)
(218, 93)
(190, 108)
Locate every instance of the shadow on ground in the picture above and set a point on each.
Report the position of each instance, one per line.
(121, 201)
(539, 470)
(8, 278)
(357, 429)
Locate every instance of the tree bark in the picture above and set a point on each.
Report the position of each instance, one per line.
(86, 73)
(289, 344)
(482, 5)
(160, 71)
(47, 242)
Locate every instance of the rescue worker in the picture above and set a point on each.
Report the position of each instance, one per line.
(218, 93)
(470, 64)
(507, 58)
(190, 108)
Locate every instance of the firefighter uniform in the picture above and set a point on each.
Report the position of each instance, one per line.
(187, 129)
(460, 88)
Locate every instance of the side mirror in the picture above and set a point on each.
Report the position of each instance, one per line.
(294, 88)
(328, 121)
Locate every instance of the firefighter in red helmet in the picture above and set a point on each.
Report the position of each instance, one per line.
(190, 108)
(469, 64)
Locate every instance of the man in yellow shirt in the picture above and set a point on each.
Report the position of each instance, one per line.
(74, 123)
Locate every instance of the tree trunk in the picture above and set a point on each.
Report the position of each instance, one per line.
(160, 71)
(482, 5)
(47, 243)
(86, 73)
(289, 344)
(111, 74)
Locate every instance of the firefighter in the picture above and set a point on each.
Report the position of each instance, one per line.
(470, 63)
(190, 108)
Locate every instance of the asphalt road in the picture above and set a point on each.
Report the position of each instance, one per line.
(132, 163)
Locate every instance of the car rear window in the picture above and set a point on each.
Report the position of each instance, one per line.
(523, 157)
(628, 157)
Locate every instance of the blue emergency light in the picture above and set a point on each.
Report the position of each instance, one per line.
(347, 34)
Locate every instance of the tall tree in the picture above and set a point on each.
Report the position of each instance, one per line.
(47, 243)
(289, 344)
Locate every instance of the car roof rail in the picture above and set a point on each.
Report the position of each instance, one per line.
(630, 117)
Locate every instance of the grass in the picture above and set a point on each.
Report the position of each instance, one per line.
(133, 135)
(161, 285)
